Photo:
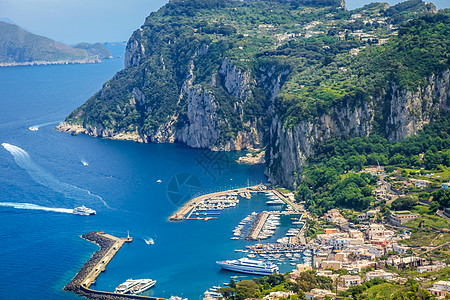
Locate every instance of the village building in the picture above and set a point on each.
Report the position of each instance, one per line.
(440, 288)
(379, 274)
(349, 280)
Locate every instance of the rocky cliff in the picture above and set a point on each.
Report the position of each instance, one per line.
(406, 111)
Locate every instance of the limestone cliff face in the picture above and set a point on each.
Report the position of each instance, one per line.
(407, 112)
(289, 147)
(135, 51)
(202, 128)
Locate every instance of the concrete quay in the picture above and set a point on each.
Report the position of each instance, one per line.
(256, 227)
(109, 246)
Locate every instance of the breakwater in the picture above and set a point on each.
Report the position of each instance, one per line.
(198, 203)
(109, 246)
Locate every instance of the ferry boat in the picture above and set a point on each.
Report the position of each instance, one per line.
(142, 286)
(84, 211)
(134, 286)
(126, 287)
(245, 265)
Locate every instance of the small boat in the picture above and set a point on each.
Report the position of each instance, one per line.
(275, 202)
(158, 181)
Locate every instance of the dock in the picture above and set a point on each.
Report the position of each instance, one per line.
(257, 225)
(81, 283)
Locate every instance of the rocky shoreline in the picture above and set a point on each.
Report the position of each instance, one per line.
(253, 159)
(75, 129)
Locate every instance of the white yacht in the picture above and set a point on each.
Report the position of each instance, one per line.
(84, 211)
(275, 202)
(142, 286)
(249, 266)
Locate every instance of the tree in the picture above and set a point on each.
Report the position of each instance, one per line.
(226, 291)
(404, 203)
(434, 206)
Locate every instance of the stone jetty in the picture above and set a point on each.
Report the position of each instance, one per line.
(109, 246)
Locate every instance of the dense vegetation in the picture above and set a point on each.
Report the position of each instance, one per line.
(328, 181)
(380, 289)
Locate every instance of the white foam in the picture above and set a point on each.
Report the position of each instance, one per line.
(35, 207)
(149, 241)
(41, 176)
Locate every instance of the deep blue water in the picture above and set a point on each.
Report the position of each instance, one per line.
(41, 250)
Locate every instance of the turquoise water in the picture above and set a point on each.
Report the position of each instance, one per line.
(44, 173)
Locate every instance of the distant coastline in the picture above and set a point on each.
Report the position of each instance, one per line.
(46, 63)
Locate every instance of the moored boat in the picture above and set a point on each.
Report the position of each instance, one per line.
(244, 265)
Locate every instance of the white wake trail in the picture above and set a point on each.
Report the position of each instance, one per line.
(23, 160)
(36, 127)
(35, 207)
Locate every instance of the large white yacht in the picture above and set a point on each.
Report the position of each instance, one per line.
(142, 286)
(83, 210)
(245, 265)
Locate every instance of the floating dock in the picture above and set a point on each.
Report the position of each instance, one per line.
(109, 246)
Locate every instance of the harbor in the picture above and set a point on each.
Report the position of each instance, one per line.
(81, 283)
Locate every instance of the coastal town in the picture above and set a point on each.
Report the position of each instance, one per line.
(351, 248)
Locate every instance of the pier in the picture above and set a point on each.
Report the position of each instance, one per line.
(257, 225)
(81, 283)
(189, 209)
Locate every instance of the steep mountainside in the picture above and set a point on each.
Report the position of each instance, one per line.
(20, 47)
(226, 75)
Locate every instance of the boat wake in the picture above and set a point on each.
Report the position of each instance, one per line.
(35, 207)
(149, 241)
(41, 176)
(36, 127)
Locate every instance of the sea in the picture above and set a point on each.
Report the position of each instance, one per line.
(133, 187)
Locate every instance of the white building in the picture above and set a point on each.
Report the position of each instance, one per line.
(399, 249)
(440, 288)
(379, 274)
(376, 230)
(349, 280)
